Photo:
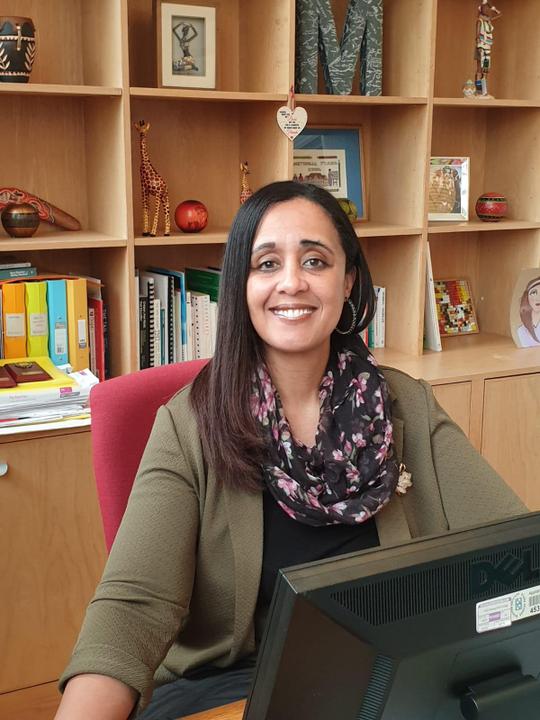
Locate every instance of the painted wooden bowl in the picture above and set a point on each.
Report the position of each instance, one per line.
(491, 207)
(20, 220)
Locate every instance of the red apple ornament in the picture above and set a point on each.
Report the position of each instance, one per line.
(191, 216)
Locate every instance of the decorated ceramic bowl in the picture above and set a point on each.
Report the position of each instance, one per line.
(491, 207)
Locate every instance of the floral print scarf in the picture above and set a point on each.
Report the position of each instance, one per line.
(351, 472)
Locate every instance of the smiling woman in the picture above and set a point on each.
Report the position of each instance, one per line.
(292, 264)
(289, 447)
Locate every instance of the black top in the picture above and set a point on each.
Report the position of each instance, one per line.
(288, 542)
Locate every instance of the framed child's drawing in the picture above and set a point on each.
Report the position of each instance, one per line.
(525, 309)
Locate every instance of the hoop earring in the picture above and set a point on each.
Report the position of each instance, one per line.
(353, 321)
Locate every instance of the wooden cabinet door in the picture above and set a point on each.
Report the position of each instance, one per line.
(455, 398)
(51, 554)
(511, 433)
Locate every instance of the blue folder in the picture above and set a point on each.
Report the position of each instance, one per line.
(58, 328)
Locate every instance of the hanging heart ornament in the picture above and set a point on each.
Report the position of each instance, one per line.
(291, 122)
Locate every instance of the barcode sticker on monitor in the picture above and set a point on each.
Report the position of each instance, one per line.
(502, 611)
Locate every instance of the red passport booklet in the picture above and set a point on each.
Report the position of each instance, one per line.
(23, 372)
(6, 381)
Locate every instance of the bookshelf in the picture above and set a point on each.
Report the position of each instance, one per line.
(71, 141)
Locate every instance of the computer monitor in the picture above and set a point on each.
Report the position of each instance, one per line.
(444, 628)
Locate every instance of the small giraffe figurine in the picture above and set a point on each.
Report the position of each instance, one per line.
(246, 192)
(152, 184)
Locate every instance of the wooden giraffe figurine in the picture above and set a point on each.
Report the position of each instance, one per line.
(246, 192)
(152, 184)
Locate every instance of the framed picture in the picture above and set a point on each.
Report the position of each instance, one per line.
(525, 309)
(333, 159)
(448, 188)
(455, 307)
(186, 43)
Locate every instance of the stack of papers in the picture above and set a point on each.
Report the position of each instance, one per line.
(63, 397)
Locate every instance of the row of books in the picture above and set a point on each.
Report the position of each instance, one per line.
(61, 317)
(177, 314)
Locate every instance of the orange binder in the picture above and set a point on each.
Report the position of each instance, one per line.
(77, 316)
(14, 320)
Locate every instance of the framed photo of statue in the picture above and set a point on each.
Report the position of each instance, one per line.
(525, 309)
(448, 197)
(333, 158)
(186, 45)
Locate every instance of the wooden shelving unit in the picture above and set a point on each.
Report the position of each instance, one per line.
(69, 138)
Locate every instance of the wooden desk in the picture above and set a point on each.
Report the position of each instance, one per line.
(233, 711)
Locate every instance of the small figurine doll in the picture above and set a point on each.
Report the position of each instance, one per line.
(469, 89)
(487, 14)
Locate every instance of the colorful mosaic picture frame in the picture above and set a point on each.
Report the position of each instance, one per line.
(455, 308)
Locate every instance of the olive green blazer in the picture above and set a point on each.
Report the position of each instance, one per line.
(181, 583)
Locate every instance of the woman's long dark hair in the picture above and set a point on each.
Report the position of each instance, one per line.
(220, 395)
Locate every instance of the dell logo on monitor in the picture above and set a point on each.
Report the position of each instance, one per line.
(484, 574)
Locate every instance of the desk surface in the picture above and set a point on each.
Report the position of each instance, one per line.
(225, 712)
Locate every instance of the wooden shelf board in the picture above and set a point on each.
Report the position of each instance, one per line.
(209, 236)
(212, 95)
(479, 103)
(479, 226)
(464, 358)
(50, 89)
(376, 229)
(317, 99)
(61, 240)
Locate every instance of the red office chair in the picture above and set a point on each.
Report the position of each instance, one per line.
(123, 411)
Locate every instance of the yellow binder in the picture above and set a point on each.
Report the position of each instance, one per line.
(77, 314)
(37, 325)
(13, 320)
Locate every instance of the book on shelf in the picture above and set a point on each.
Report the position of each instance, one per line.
(205, 280)
(77, 314)
(162, 293)
(14, 320)
(96, 337)
(57, 310)
(17, 272)
(432, 335)
(1, 327)
(189, 328)
(202, 332)
(106, 341)
(143, 333)
(14, 264)
(377, 327)
(37, 322)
